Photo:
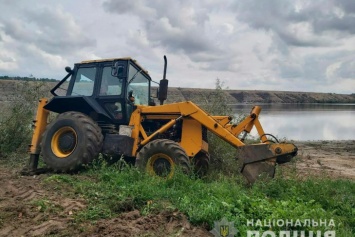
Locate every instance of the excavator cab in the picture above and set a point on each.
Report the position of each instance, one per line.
(106, 90)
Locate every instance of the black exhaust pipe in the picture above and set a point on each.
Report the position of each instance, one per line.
(163, 85)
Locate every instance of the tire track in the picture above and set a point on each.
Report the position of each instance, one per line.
(28, 209)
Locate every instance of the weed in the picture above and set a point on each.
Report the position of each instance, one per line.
(46, 206)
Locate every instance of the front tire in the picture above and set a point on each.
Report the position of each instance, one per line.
(160, 158)
(69, 142)
(202, 164)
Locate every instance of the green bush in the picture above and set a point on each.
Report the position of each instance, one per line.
(223, 155)
(17, 116)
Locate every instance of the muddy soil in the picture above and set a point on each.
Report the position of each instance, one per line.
(29, 207)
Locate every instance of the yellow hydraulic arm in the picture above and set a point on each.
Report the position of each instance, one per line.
(225, 131)
(179, 111)
(252, 156)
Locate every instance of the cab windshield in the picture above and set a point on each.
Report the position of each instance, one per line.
(139, 85)
(84, 81)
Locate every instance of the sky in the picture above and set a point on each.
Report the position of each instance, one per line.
(287, 45)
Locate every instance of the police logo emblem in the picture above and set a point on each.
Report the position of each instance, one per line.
(223, 228)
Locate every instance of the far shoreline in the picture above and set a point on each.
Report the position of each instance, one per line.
(10, 89)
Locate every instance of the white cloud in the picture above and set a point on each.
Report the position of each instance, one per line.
(274, 45)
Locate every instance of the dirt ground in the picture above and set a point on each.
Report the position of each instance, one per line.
(330, 158)
(29, 208)
(22, 209)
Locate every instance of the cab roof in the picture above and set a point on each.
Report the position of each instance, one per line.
(115, 59)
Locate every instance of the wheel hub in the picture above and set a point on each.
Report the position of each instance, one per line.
(64, 142)
(161, 165)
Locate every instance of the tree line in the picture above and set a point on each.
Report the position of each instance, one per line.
(30, 78)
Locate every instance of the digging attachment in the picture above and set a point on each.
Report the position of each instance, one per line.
(260, 160)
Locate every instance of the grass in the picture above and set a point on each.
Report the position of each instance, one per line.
(110, 191)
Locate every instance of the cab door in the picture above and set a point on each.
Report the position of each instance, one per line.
(110, 94)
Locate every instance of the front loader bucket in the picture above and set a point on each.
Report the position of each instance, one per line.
(260, 160)
(258, 169)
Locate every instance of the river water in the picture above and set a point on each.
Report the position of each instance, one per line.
(305, 121)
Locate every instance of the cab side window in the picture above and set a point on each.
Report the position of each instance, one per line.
(139, 86)
(84, 82)
(110, 85)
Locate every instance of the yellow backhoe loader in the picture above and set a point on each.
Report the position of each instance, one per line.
(108, 109)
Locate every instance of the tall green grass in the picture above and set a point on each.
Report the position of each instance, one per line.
(111, 191)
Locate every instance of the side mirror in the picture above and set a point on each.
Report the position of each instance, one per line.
(118, 70)
(68, 70)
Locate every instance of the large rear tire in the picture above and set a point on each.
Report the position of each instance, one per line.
(160, 157)
(69, 142)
